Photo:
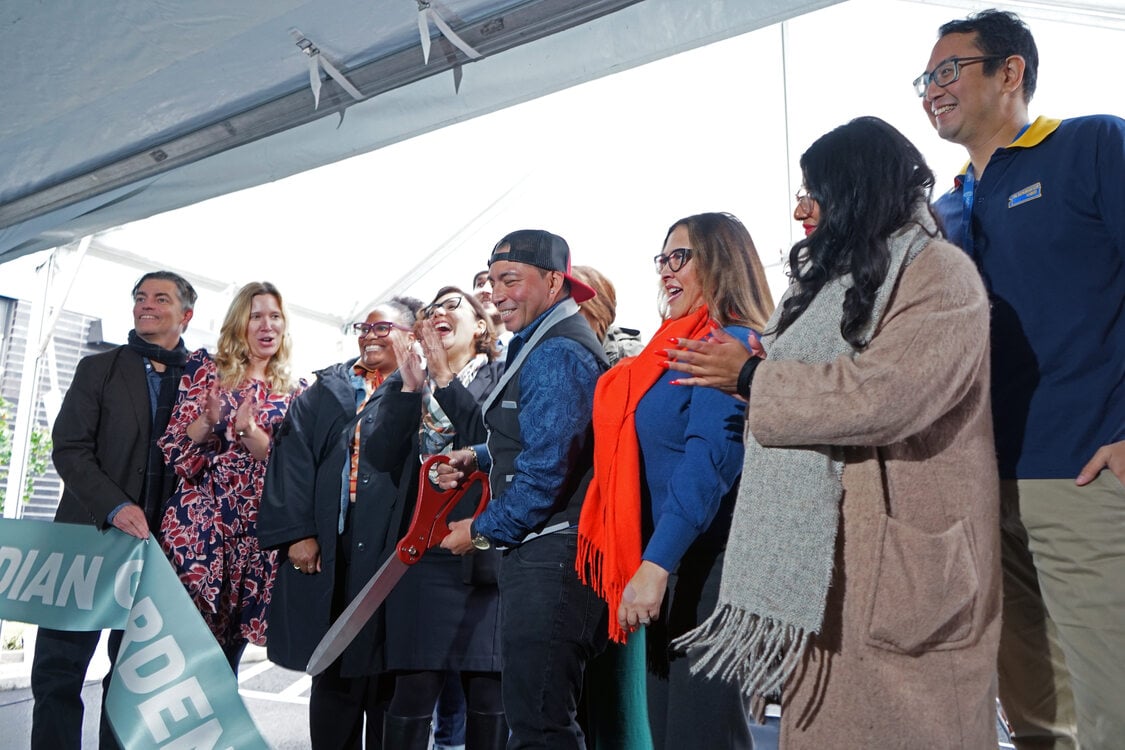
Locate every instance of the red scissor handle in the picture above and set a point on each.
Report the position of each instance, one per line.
(429, 527)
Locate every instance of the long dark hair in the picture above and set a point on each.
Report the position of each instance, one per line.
(867, 180)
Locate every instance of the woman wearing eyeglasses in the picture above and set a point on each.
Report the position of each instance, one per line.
(218, 440)
(667, 462)
(862, 574)
(328, 512)
(442, 617)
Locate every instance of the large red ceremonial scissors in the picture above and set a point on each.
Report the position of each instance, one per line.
(428, 528)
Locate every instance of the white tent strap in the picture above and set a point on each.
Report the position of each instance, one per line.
(426, 14)
(317, 61)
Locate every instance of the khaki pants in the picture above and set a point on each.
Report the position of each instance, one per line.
(1062, 649)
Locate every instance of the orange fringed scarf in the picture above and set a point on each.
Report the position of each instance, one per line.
(609, 529)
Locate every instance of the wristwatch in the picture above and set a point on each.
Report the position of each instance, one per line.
(481, 542)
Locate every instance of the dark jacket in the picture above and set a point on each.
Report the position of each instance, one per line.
(102, 437)
(301, 499)
(395, 449)
(505, 441)
(397, 440)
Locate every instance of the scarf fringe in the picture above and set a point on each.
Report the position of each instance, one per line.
(757, 654)
(589, 564)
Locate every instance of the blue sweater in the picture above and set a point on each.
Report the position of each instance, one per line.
(691, 455)
(1048, 234)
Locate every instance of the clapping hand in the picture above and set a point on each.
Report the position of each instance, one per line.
(213, 404)
(437, 359)
(409, 363)
(247, 431)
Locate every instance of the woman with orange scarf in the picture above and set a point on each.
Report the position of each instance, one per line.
(666, 468)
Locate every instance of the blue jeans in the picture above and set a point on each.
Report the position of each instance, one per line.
(449, 715)
(550, 625)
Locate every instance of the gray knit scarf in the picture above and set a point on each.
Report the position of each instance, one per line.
(782, 542)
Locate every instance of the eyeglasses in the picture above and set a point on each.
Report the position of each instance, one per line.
(381, 329)
(449, 305)
(949, 70)
(804, 201)
(674, 260)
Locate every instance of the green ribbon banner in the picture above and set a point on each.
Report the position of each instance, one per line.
(171, 687)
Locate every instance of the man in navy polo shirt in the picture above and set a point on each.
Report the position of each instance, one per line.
(1041, 209)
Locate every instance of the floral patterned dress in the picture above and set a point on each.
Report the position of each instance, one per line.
(209, 526)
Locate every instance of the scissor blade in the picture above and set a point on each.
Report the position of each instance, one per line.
(352, 620)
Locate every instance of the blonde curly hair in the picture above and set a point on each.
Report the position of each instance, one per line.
(232, 358)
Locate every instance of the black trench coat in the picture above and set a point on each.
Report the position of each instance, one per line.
(444, 613)
(301, 499)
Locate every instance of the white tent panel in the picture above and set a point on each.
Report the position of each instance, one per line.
(718, 129)
(104, 100)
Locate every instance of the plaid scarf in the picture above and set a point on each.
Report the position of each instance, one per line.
(436, 433)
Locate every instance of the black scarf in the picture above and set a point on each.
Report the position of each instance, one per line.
(170, 357)
(155, 492)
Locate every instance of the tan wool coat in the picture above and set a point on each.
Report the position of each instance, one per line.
(907, 654)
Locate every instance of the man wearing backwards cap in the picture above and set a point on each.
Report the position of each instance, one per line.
(539, 459)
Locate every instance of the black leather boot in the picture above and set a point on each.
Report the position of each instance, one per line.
(485, 731)
(406, 732)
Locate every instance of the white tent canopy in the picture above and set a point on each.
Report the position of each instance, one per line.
(116, 112)
(608, 164)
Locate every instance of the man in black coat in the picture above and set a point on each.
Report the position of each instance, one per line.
(334, 537)
(105, 451)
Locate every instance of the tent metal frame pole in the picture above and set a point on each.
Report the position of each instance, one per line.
(227, 288)
(489, 36)
(39, 330)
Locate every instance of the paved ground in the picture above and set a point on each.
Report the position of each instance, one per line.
(276, 698)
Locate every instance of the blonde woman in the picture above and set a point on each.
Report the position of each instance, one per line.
(218, 441)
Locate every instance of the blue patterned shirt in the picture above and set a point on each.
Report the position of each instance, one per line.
(557, 383)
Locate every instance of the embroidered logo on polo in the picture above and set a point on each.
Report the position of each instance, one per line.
(1029, 193)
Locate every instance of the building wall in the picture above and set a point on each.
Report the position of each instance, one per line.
(69, 343)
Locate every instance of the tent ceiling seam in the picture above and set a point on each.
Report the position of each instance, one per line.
(491, 35)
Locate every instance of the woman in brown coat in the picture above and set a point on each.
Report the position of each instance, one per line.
(862, 572)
